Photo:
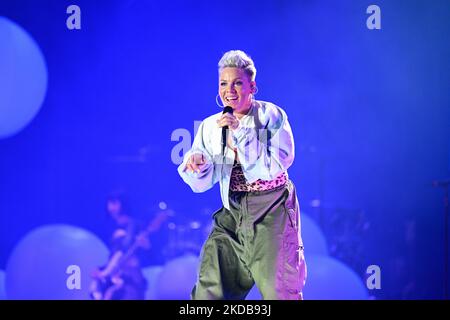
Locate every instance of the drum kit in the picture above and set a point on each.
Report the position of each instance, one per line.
(184, 235)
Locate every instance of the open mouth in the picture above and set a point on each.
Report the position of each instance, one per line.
(230, 99)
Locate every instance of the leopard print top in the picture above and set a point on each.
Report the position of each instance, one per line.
(238, 182)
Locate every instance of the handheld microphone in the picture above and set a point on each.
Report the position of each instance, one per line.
(226, 109)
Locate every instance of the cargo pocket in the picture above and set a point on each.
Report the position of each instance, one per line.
(292, 264)
(291, 207)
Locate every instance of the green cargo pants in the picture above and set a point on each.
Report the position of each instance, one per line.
(257, 241)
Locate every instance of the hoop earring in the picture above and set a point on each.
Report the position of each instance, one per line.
(217, 102)
(253, 94)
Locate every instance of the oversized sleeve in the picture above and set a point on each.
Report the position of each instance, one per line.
(205, 179)
(266, 150)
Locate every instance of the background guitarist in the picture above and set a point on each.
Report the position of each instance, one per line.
(122, 277)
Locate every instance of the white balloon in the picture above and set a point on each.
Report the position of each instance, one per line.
(23, 78)
(50, 261)
(176, 280)
(313, 238)
(330, 279)
(151, 274)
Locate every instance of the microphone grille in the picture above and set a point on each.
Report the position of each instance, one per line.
(228, 109)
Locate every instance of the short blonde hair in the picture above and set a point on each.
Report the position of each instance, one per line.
(238, 59)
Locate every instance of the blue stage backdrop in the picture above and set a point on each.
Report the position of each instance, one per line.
(369, 111)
